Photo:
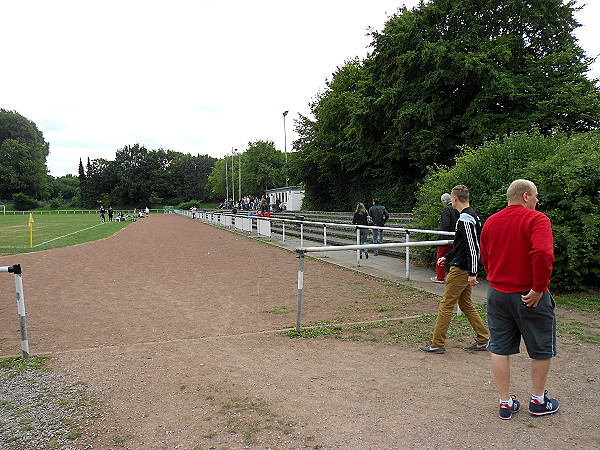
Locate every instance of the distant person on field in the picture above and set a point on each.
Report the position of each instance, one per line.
(361, 218)
(110, 214)
(380, 216)
(102, 211)
(462, 260)
(447, 223)
(517, 249)
(147, 210)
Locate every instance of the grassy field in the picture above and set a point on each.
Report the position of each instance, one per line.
(51, 231)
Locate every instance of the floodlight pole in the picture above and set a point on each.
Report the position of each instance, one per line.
(285, 113)
(239, 175)
(226, 182)
(232, 176)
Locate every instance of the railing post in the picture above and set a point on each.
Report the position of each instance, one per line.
(324, 235)
(300, 287)
(301, 234)
(16, 270)
(283, 231)
(358, 243)
(407, 238)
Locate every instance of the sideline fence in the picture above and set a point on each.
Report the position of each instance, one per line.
(262, 226)
(77, 211)
(303, 250)
(16, 270)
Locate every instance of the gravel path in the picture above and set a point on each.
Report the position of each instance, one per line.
(41, 409)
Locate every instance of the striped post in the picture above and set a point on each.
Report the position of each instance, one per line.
(16, 270)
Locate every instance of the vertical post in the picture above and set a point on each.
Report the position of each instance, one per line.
(232, 175)
(300, 287)
(226, 181)
(324, 235)
(283, 232)
(301, 234)
(407, 256)
(30, 230)
(16, 269)
(358, 243)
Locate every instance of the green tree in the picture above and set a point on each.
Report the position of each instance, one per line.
(263, 167)
(23, 153)
(445, 74)
(65, 187)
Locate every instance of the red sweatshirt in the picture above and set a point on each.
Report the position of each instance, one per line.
(517, 250)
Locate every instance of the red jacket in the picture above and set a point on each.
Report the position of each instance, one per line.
(517, 250)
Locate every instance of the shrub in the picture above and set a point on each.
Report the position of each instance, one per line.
(24, 202)
(188, 205)
(569, 186)
(565, 169)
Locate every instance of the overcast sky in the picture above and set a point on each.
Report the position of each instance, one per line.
(194, 76)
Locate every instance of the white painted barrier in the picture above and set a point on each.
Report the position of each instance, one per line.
(16, 270)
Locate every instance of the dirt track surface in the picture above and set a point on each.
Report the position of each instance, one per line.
(172, 325)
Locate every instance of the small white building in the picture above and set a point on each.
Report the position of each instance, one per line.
(290, 196)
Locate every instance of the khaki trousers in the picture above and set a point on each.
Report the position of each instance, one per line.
(458, 290)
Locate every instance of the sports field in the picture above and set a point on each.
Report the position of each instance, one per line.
(181, 334)
(52, 231)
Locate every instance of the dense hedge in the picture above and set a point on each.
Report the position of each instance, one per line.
(566, 169)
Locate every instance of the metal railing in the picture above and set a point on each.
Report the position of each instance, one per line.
(262, 226)
(73, 211)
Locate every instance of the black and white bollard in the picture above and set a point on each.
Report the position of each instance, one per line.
(16, 270)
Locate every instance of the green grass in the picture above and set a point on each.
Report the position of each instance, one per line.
(584, 301)
(19, 364)
(52, 231)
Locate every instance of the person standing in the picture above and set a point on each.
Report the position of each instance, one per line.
(462, 260)
(380, 216)
(517, 249)
(102, 211)
(361, 218)
(110, 214)
(447, 223)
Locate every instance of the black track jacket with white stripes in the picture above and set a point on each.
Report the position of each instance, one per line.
(465, 250)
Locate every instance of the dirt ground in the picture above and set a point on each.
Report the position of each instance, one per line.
(175, 327)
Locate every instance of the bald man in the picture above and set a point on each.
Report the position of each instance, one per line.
(517, 252)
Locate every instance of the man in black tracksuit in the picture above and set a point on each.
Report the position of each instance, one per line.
(463, 261)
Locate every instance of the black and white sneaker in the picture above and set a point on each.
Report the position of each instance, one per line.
(476, 346)
(430, 348)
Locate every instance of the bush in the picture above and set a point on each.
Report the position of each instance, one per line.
(566, 171)
(24, 202)
(56, 202)
(569, 186)
(188, 205)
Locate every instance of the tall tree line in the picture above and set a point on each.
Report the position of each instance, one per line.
(445, 74)
(141, 177)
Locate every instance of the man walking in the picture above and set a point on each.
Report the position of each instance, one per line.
(517, 250)
(380, 216)
(462, 260)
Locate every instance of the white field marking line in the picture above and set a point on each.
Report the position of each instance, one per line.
(207, 338)
(69, 234)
